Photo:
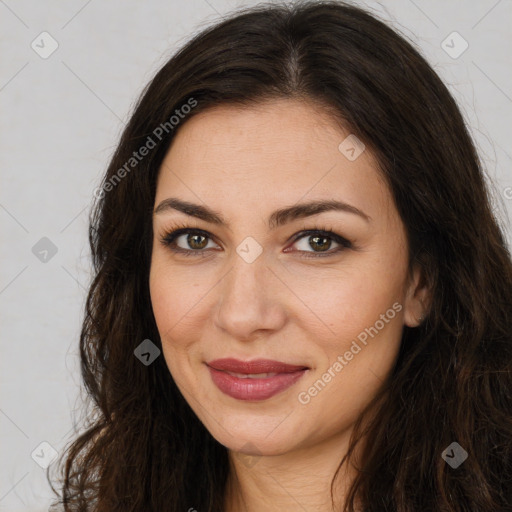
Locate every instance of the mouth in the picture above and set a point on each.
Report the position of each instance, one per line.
(254, 380)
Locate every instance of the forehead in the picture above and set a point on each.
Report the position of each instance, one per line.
(280, 151)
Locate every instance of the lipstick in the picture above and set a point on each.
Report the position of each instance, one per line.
(254, 380)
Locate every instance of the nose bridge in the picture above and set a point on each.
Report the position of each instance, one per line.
(245, 279)
(247, 302)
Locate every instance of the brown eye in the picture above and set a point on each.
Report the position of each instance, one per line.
(322, 243)
(196, 241)
(186, 241)
(314, 243)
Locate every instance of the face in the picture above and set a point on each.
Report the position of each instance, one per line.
(328, 291)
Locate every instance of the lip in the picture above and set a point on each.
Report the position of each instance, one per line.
(255, 366)
(249, 388)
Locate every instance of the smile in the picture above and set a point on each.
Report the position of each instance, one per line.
(255, 386)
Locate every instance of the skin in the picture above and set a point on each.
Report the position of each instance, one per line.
(244, 163)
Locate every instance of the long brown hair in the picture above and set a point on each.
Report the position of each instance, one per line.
(143, 448)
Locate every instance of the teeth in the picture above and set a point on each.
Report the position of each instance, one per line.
(251, 375)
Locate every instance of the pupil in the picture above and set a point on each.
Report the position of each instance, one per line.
(316, 238)
(193, 238)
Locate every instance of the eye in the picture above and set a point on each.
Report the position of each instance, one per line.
(320, 240)
(193, 242)
(187, 241)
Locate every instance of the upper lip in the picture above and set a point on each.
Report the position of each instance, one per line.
(254, 366)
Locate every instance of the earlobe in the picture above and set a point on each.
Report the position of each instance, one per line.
(418, 298)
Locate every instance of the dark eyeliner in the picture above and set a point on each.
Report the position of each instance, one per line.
(168, 239)
(343, 242)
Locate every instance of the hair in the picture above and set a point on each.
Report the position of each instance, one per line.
(143, 448)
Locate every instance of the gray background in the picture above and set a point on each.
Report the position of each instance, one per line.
(60, 120)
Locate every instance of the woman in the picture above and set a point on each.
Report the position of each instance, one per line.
(301, 299)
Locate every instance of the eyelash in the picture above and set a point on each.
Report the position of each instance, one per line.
(169, 237)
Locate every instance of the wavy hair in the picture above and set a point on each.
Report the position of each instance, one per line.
(143, 448)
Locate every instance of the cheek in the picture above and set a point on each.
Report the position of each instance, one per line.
(168, 307)
(164, 300)
(174, 294)
(358, 316)
(352, 363)
(346, 301)
(178, 300)
(364, 331)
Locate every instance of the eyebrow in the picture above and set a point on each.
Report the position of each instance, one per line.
(276, 219)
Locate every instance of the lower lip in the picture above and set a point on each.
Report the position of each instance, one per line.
(254, 389)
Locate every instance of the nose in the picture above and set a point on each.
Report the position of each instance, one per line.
(250, 300)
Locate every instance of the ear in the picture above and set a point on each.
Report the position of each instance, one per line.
(417, 298)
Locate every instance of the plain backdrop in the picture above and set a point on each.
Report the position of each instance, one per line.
(61, 118)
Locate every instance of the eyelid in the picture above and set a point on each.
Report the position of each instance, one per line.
(169, 237)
